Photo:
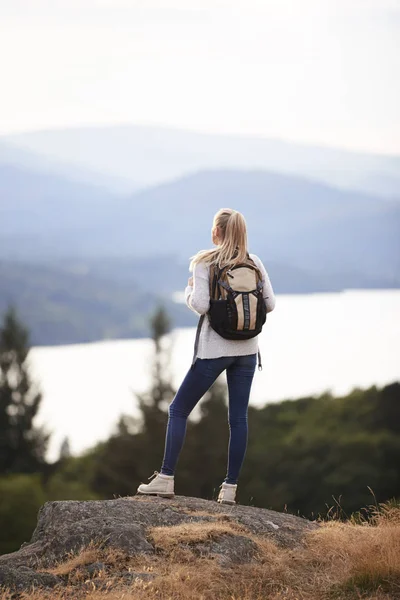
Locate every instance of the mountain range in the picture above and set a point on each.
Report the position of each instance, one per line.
(86, 260)
(143, 156)
(291, 220)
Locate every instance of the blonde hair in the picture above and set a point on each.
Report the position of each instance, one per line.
(232, 249)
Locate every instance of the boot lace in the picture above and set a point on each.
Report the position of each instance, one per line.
(154, 475)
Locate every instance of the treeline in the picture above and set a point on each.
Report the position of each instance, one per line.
(75, 302)
(315, 456)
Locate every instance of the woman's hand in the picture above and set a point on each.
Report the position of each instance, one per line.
(190, 281)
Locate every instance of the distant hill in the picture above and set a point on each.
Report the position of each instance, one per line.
(63, 307)
(12, 155)
(43, 203)
(83, 263)
(292, 221)
(147, 156)
(171, 275)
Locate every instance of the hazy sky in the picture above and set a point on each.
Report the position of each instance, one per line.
(325, 71)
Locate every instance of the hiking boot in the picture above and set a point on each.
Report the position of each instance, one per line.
(161, 485)
(227, 494)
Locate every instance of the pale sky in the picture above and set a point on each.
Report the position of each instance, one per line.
(318, 71)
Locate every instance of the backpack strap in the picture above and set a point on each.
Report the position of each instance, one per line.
(196, 343)
(214, 276)
(259, 360)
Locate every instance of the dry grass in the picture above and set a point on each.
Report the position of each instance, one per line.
(366, 556)
(166, 538)
(340, 561)
(86, 557)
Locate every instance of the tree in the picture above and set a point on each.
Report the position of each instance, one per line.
(153, 404)
(72, 480)
(132, 454)
(20, 499)
(65, 450)
(22, 445)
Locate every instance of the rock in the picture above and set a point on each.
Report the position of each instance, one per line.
(126, 524)
(229, 550)
(19, 579)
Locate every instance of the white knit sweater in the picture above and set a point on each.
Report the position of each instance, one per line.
(211, 344)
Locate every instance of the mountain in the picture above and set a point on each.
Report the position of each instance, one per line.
(13, 156)
(171, 274)
(147, 156)
(82, 264)
(302, 224)
(291, 220)
(43, 203)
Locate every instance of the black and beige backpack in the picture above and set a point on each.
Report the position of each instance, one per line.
(237, 307)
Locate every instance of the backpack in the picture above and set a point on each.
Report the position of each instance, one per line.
(237, 307)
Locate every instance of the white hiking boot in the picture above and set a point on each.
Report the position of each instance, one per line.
(160, 485)
(228, 493)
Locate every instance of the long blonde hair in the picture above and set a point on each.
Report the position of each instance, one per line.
(232, 248)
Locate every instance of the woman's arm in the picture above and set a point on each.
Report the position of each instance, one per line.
(268, 292)
(198, 295)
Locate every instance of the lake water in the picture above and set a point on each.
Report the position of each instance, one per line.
(311, 343)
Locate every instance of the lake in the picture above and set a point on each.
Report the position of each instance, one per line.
(310, 344)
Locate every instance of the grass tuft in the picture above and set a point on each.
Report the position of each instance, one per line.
(166, 538)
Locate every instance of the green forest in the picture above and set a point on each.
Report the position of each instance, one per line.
(73, 303)
(315, 457)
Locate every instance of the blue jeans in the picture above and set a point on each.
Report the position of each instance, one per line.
(199, 379)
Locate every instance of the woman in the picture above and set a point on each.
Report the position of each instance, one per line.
(214, 354)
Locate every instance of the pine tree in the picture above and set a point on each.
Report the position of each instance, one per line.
(154, 402)
(65, 449)
(136, 450)
(22, 445)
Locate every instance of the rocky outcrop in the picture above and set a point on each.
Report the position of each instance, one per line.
(22, 578)
(127, 525)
